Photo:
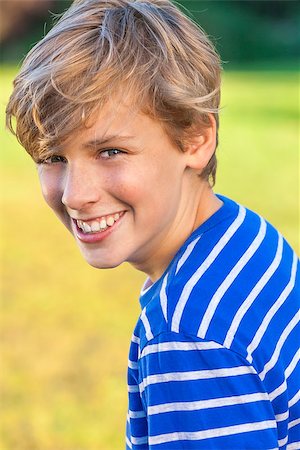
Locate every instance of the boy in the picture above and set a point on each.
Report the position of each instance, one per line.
(118, 106)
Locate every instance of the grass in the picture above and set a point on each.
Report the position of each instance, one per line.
(65, 327)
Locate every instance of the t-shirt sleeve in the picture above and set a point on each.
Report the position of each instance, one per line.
(200, 395)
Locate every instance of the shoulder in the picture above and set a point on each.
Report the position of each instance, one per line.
(245, 254)
(230, 274)
(240, 239)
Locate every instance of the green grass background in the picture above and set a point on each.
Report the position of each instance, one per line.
(65, 327)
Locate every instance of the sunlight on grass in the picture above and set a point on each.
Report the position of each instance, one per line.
(65, 327)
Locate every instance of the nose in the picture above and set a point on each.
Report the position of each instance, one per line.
(80, 187)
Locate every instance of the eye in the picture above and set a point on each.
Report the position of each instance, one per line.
(110, 153)
(54, 159)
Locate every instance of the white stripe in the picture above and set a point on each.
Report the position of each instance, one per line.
(132, 388)
(133, 365)
(195, 375)
(288, 371)
(128, 443)
(146, 324)
(293, 446)
(294, 399)
(186, 254)
(293, 423)
(139, 440)
(136, 414)
(205, 404)
(211, 433)
(271, 313)
(135, 339)
(254, 294)
(278, 391)
(164, 298)
(282, 442)
(224, 286)
(179, 346)
(204, 267)
(282, 416)
(271, 363)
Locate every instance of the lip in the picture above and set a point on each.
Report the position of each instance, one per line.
(99, 236)
(96, 218)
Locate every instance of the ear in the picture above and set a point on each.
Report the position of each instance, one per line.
(201, 147)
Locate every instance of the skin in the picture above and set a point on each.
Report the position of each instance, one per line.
(150, 179)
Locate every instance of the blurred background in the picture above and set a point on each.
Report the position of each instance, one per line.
(64, 326)
(245, 32)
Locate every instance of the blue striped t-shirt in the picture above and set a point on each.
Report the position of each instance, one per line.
(214, 358)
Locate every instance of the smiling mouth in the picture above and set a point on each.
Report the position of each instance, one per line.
(99, 224)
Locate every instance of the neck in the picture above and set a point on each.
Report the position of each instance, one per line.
(196, 212)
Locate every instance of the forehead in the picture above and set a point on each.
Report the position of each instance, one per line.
(117, 121)
(116, 118)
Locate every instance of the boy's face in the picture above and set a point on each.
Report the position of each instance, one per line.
(126, 199)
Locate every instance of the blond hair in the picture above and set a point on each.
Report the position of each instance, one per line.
(149, 49)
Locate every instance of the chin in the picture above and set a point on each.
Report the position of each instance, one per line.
(101, 263)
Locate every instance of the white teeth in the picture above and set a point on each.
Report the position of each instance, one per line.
(110, 221)
(86, 227)
(95, 226)
(103, 224)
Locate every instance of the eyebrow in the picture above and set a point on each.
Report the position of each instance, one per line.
(105, 140)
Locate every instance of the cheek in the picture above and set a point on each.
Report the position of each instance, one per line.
(127, 184)
(144, 188)
(51, 187)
